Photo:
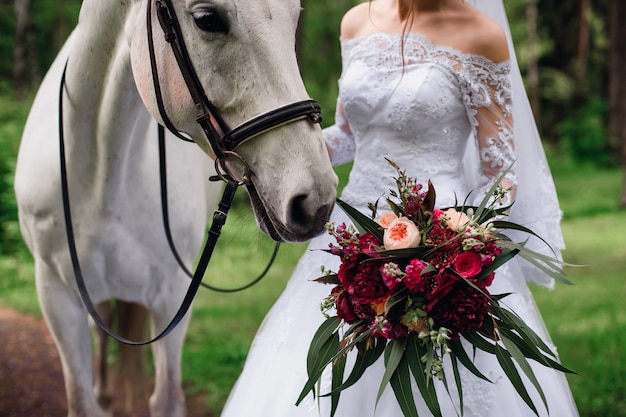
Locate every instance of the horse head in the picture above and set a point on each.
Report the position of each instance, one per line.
(242, 53)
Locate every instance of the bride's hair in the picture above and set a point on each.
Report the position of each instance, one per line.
(406, 9)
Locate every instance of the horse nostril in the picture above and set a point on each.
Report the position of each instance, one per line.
(308, 217)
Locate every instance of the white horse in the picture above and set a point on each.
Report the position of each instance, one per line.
(244, 54)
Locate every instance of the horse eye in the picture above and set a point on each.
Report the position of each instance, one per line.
(210, 21)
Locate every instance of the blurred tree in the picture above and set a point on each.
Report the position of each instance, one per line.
(617, 83)
(21, 46)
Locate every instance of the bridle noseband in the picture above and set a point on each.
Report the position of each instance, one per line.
(222, 140)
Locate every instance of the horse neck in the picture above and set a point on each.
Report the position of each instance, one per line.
(103, 108)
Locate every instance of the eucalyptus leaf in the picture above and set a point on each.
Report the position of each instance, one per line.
(339, 367)
(401, 385)
(414, 353)
(393, 355)
(504, 359)
(512, 348)
(459, 352)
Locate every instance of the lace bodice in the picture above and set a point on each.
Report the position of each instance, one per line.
(438, 113)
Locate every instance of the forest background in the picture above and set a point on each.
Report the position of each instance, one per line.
(572, 55)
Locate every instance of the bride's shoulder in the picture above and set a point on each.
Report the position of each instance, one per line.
(354, 20)
(486, 37)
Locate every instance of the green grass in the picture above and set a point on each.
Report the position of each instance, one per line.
(587, 321)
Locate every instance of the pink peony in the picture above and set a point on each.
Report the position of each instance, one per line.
(456, 219)
(402, 233)
(385, 219)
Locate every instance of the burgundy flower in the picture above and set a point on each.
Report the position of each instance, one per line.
(444, 257)
(343, 305)
(363, 311)
(462, 311)
(368, 284)
(441, 285)
(397, 332)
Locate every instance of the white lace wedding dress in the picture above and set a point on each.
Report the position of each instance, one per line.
(441, 115)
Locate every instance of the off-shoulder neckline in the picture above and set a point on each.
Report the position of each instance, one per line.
(425, 40)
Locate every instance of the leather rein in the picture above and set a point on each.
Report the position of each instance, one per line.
(223, 142)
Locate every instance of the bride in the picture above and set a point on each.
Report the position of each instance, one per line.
(430, 85)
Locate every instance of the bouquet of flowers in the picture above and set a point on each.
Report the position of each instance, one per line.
(411, 283)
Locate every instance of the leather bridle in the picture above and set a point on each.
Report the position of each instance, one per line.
(222, 140)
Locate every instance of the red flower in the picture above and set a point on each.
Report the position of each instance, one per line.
(468, 264)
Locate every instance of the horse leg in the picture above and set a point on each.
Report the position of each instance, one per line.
(132, 322)
(168, 399)
(67, 320)
(101, 381)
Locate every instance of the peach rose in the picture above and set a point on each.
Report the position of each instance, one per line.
(385, 219)
(402, 233)
(456, 220)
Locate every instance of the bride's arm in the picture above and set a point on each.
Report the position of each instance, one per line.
(491, 105)
(339, 139)
(495, 137)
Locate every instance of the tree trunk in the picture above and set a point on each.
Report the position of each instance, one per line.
(532, 76)
(617, 84)
(584, 37)
(22, 23)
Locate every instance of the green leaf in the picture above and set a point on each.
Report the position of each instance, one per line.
(395, 299)
(512, 348)
(401, 385)
(483, 204)
(393, 355)
(321, 336)
(522, 328)
(479, 342)
(363, 361)
(418, 252)
(505, 225)
(504, 359)
(323, 347)
(414, 352)
(361, 221)
(457, 379)
(459, 352)
(338, 370)
(504, 257)
(330, 279)
(530, 351)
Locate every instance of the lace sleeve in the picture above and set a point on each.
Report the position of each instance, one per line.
(491, 114)
(339, 138)
(500, 144)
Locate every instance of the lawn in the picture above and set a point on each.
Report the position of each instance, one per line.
(587, 320)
